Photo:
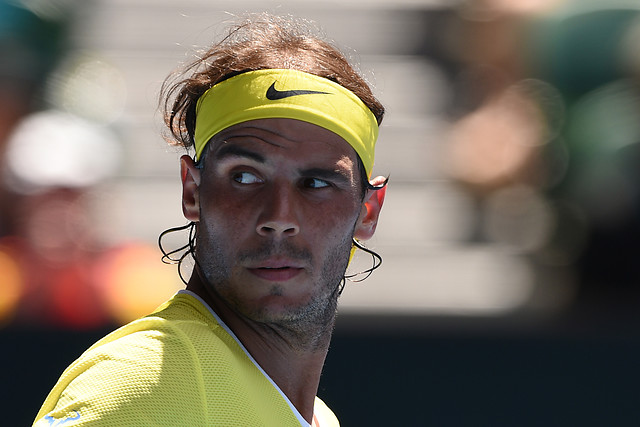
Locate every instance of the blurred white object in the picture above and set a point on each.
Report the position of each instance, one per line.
(57, 149)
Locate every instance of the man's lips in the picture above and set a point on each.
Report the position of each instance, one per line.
(276, 271)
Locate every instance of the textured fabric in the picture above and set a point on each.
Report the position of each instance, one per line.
(176, 367)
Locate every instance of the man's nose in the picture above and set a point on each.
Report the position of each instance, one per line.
(279, 213)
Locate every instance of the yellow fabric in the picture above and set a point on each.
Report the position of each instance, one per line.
(245, 97)
(176, 367)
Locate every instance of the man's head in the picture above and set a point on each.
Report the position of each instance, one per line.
(281, 198)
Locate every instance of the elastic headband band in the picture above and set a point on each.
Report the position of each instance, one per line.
(290, 94)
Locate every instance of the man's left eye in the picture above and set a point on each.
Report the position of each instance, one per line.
(315, 183)
(246, 178)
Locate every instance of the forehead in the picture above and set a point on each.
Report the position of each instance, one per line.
(288, 134)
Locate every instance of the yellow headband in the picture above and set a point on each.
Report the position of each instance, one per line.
(290, 94)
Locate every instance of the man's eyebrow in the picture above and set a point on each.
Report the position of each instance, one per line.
(232, 150)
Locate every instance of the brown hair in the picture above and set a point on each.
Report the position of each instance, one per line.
(259, 42)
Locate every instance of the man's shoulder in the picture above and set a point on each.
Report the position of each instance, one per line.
(147, 343)
(144, 367)
(171, 323)
(181, 325)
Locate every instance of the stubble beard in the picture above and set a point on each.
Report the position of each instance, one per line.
(308, 325)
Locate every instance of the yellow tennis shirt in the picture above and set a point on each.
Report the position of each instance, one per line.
(179, 366)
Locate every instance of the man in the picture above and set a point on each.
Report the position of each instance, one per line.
(284, 133)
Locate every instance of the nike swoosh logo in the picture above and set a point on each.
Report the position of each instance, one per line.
(274, 94)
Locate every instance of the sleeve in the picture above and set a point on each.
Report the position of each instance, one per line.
(148, 378)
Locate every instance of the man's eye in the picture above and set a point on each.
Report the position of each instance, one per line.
(315, 183)
(246, 178)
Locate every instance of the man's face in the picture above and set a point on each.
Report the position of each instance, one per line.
(279, 202)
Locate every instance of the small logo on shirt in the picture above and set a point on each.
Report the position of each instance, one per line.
(274, 94)
(62, 421)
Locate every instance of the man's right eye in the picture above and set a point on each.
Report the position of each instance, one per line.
(246, 178)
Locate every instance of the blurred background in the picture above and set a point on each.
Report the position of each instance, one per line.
(510, 288)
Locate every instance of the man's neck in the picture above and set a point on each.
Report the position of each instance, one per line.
(292, 359)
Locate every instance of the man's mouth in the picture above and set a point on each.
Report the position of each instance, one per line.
(276, 274)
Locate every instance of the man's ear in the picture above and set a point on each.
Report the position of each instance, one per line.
(368, 220)
(190, 176)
